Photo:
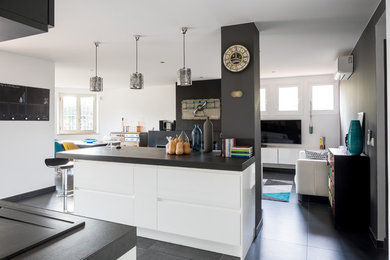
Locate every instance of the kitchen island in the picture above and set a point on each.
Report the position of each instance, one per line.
(198, 200)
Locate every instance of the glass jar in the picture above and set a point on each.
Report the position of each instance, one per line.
(196, 139)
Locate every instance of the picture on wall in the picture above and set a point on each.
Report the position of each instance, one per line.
(211, 109)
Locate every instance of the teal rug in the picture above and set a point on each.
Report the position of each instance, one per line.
(277, 190)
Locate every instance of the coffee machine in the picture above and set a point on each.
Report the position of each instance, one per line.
(166, 125)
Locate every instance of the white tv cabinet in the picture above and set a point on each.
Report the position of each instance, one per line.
(279, 157)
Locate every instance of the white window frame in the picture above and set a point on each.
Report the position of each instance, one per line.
(77, 131)
(335, 97)
(297, 112)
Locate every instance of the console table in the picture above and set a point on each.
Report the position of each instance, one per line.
(349, 189)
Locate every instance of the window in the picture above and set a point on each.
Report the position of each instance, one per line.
(288, 99)
(322, 97)
(263, 104)
(77, 114)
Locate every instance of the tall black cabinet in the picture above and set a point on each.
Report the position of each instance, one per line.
(349, 189)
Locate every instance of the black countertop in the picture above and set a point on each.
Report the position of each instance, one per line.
(158, 156)
(95, 239)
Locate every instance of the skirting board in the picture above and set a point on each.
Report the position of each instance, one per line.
(279, 166)
(259, 226)
(30, 194)
(191, 242)
(377, 243)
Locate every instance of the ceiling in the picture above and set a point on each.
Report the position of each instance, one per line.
(300, 37)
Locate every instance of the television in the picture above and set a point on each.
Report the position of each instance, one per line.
(281, 131)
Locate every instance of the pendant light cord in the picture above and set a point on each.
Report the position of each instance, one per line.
(136, 55)
(184, 50)
(96, 58)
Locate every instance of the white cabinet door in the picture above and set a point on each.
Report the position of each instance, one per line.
(219, 225)
(104, 176)
(200, 187)
(104, 206)
(145, 180)
(269, 155)
(288, 155)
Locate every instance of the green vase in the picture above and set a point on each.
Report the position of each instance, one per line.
(355, 138)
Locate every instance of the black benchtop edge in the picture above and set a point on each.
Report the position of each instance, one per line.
(113, 249)
(162, 162)
(157, 156)
(116, 248)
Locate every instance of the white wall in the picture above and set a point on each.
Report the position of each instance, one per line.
(148, 106)
(325, 124)
(25, 145)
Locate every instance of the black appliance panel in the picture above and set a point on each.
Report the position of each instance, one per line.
(281, 131)
(24, 103)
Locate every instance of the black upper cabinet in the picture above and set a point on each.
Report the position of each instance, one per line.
(20, 18)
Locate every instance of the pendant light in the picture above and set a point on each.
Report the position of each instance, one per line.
(184, 74)
(136, 79)
(96, 83)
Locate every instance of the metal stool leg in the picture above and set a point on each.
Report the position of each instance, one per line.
(65, 189)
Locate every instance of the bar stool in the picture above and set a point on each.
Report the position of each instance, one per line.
(62, 166)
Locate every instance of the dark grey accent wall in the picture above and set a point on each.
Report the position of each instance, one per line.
(359, 94)
(241, 116)
(381, 140)
(199, 89)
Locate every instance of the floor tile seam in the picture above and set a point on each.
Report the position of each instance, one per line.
(307, 234)
(167, 254)
(170, 254)
(283, 241)
(281, 220)
(328, 249)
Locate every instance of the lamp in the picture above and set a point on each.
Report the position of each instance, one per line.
(184, 74)
(136, 79)
(96, 83)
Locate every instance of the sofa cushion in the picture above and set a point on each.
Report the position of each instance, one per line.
(316, 155)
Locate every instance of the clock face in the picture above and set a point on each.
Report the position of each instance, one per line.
(236, 58)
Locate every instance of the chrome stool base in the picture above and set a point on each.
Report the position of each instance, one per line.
(62, 166)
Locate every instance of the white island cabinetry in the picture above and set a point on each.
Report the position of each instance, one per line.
(203, 208)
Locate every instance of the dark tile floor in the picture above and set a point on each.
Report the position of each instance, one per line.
(291, 230)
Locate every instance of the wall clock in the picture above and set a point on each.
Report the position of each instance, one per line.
(236, 58)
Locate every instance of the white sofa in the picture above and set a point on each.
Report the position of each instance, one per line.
(311, 176)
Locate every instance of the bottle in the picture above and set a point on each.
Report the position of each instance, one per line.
(123, 129)
(311, 119)
(208, 136)
(311, 126)
(196, 139)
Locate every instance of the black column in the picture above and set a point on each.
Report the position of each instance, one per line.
(241, 116)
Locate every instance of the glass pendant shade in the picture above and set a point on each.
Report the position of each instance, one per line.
(137, 81)
(96, 84)
(184, 74)
(184, 77)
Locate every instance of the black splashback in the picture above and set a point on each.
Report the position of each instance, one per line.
(200, 89)
(24, 103)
